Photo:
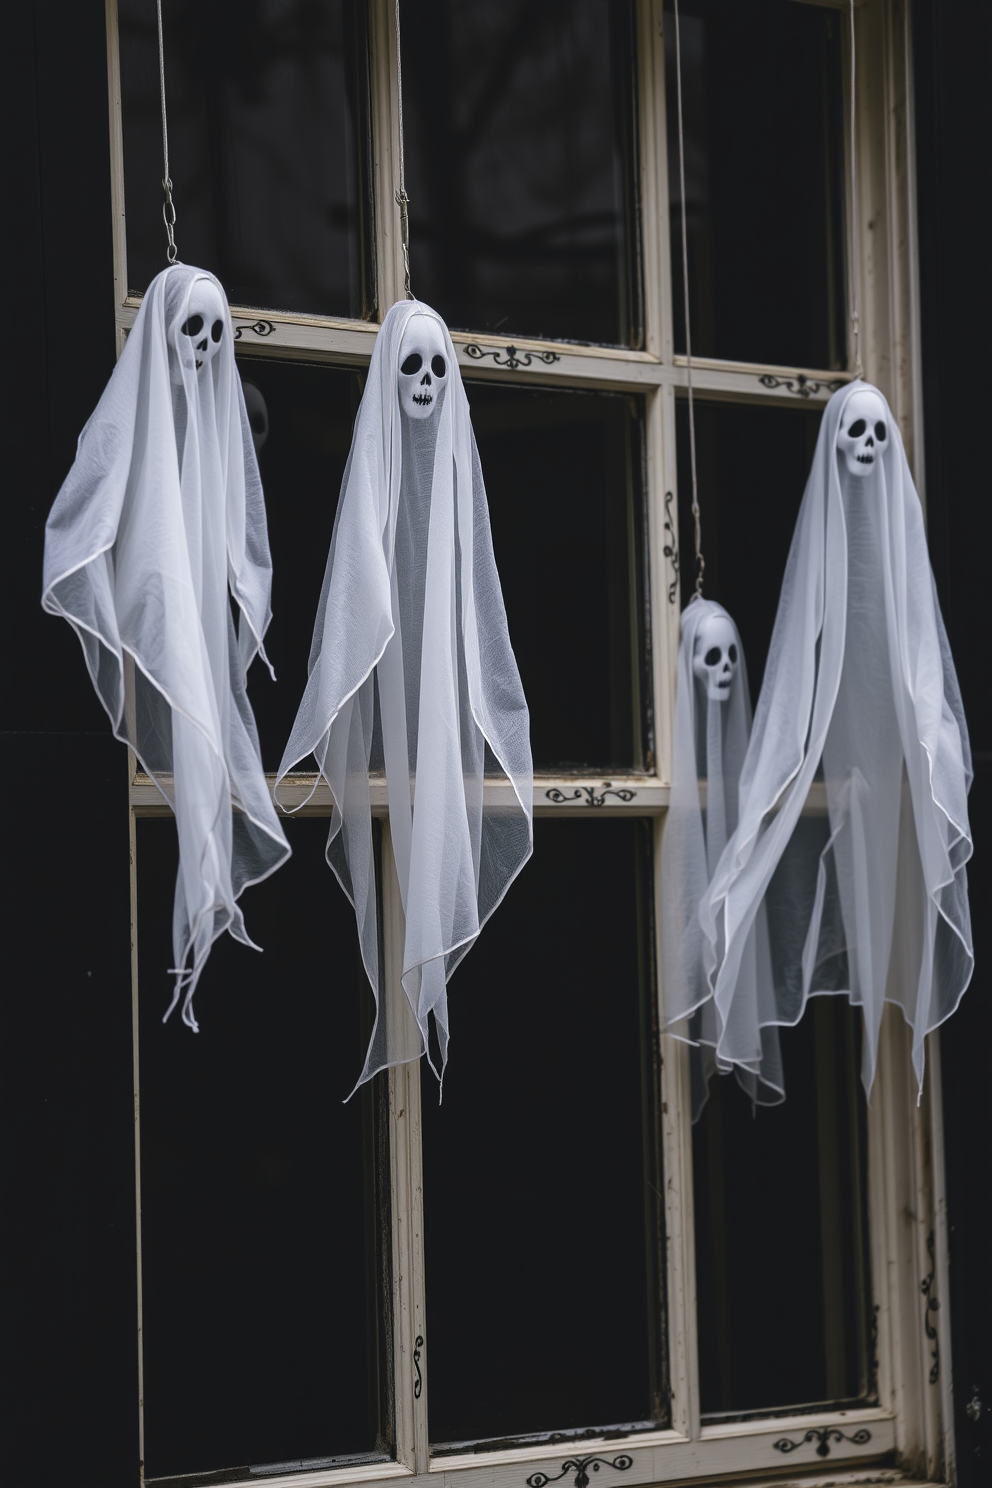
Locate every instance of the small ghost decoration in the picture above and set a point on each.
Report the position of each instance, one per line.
(411, 666)
(715, 656)
(866, 895)
(864, 431)
(423, 367)
(712, 728)
(156, 536)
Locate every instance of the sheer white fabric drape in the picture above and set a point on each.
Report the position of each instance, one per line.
(161, 518)
(853, 831)
(411, 670)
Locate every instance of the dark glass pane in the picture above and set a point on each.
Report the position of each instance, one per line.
(563, 473)
(764, 178)
(519, 128)
(308, 412)
(262, 1217)
(542, 1188)
(269, 148)
(781, 1254)
(752, 465)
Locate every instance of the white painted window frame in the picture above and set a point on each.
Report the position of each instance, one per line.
(907, 1211)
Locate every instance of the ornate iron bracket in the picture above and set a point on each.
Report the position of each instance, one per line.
(418, 1383)
(514, 358)
(824, 1435)
(800, 385)
(931, 1305)
(593, 796)
(258, 327)
(671, 548)
(581, 1466)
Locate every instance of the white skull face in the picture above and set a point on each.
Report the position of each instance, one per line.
(714, 657)
(423, 367)
(864, 430)
(199, 337)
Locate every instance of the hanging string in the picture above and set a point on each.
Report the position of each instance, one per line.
(700, 560)
(168, 209)
(402, 200)
(855, 323)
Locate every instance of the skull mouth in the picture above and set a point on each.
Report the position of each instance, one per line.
(423, 400)
(865, 459)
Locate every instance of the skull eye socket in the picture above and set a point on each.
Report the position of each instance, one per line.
(438, 366)
(712, 656)
(216, 331)
(413, 364)
(857, 428)
(880, 432)
(732, 653)
(193, 326)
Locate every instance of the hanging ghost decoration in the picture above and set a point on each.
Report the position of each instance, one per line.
(712, 729)
(159, 521)
(853, 830)
(411, 670)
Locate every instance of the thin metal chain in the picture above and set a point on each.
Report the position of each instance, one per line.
(168, 208)
(855, 322)
(700, 560)
(402, 200)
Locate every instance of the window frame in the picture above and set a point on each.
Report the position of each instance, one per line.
(913, 1420)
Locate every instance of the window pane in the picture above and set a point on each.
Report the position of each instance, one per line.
(752, 464)
(781, 1244)
(308, 412)
(542, 1188)
(764, 177)
(563, 474)
(519, 165)
(268, 148)
(262, 1259)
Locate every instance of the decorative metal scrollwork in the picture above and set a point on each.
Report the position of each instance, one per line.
(824, 1435)
(581, 1466)
(931, 1305)
(418, 1383)
(671, 548)
(514, 358)
(800, 385)
(258, 327)
(593, 795)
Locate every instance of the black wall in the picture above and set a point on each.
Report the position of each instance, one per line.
(68, 1327)
(953, 64)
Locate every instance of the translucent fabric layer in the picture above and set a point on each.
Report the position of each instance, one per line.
(853, 832)
(712, 729)
(161, 518)
(411, 670)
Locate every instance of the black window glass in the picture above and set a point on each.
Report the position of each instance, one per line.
(781, 1254)
(563, 474)
(752, 464)
(542, 1188)
(519, 128)
(268, 148)
(302, 416)
(764, 173)
(262, 1263)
